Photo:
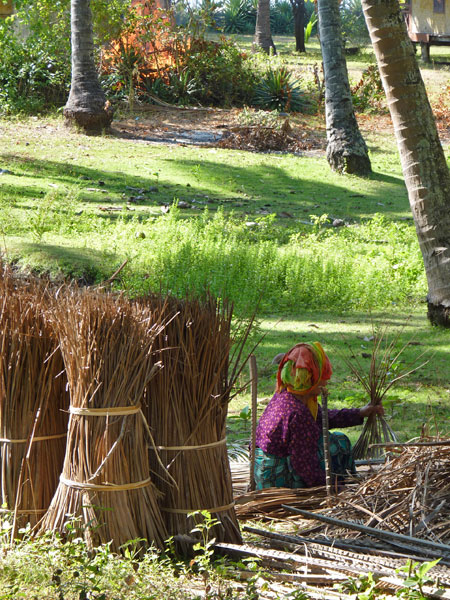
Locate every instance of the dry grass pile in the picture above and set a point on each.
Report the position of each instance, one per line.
(261, 139)
(33, 397)
(187, 408)
(268, 503)
(105, 483)
(409, 495)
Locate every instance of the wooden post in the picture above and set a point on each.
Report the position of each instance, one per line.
(326, 443)
(254, 389)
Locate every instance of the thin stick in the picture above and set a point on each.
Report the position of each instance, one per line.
(254, 384)
(326, 444)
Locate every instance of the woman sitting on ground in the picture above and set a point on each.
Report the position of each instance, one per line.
(289, 445)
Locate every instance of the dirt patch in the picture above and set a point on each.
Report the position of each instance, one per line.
(221, 128)
(224, 129)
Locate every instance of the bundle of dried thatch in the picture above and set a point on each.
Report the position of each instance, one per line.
(409, 495)
(33, 401)
(187, 408)
(105, 483)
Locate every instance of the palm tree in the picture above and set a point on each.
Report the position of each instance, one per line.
(86, 106)
(263, 36)
(424, 167)
(299, 12)
(346, 149)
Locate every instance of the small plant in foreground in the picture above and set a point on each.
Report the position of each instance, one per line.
(417, 577)
(363, 586)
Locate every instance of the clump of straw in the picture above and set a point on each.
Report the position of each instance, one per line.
(105, 483)
(187, 405)
(33, 400)
(385, 370)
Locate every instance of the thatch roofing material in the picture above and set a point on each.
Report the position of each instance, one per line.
(187, 405)
(105, 481)
(33, 400)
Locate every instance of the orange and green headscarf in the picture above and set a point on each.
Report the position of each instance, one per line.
(300, 371)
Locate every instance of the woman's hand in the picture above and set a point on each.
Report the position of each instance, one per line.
(370, 409)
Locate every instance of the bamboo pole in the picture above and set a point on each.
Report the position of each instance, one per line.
(378, 533)
(326, 444)
(254, 387)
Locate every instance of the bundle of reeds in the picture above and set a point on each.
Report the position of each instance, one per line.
(33, 400)
(410, 494)
(268, 503)
(186, 407)
(105, 484)
(385, 370)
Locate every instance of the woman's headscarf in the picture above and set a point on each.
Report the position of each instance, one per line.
(300, 371)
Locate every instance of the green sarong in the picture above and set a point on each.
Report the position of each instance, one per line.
(277, 471)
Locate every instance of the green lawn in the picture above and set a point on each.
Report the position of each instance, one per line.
(322, 282)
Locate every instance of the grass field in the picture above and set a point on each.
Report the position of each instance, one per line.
(259, 231)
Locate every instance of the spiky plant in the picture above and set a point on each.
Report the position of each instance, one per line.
(385, 370)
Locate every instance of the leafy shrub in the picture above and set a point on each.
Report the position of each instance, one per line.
(368, 93)
(353, 24)
(35, 51)
(181, 66)
(281, 17)
(277, 91)
(31, 76)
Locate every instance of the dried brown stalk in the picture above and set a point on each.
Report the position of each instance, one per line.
(33, 400)
(107, 348)
(384, 371)
(408, 495)
(187, 405)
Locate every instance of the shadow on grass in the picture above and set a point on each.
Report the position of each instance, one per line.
(82, 264)
(249, 189)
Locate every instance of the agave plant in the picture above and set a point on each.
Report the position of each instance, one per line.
(237, 16)
(277, 91)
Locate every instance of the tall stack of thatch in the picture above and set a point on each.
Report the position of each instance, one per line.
(128, 415)
(186, 407)
(105, 483)
(33, 400)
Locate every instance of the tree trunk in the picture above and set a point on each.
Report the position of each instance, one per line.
(298, 9)
(263, 37)
(86, 106)
(424, 167)
(346, 149)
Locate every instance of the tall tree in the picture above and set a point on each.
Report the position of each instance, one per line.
(86, 106)
(299, 12)
(424, 167)
(263, 37)
(346, 149)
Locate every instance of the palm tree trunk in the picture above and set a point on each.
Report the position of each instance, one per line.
(424, 167)
(86, 106)
(298, 9)
(263, 37)
(346, 149)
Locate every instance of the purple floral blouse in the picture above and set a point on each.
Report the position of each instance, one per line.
(287, 428)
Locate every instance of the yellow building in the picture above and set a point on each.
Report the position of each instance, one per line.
(428, 23)
(6, 8)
